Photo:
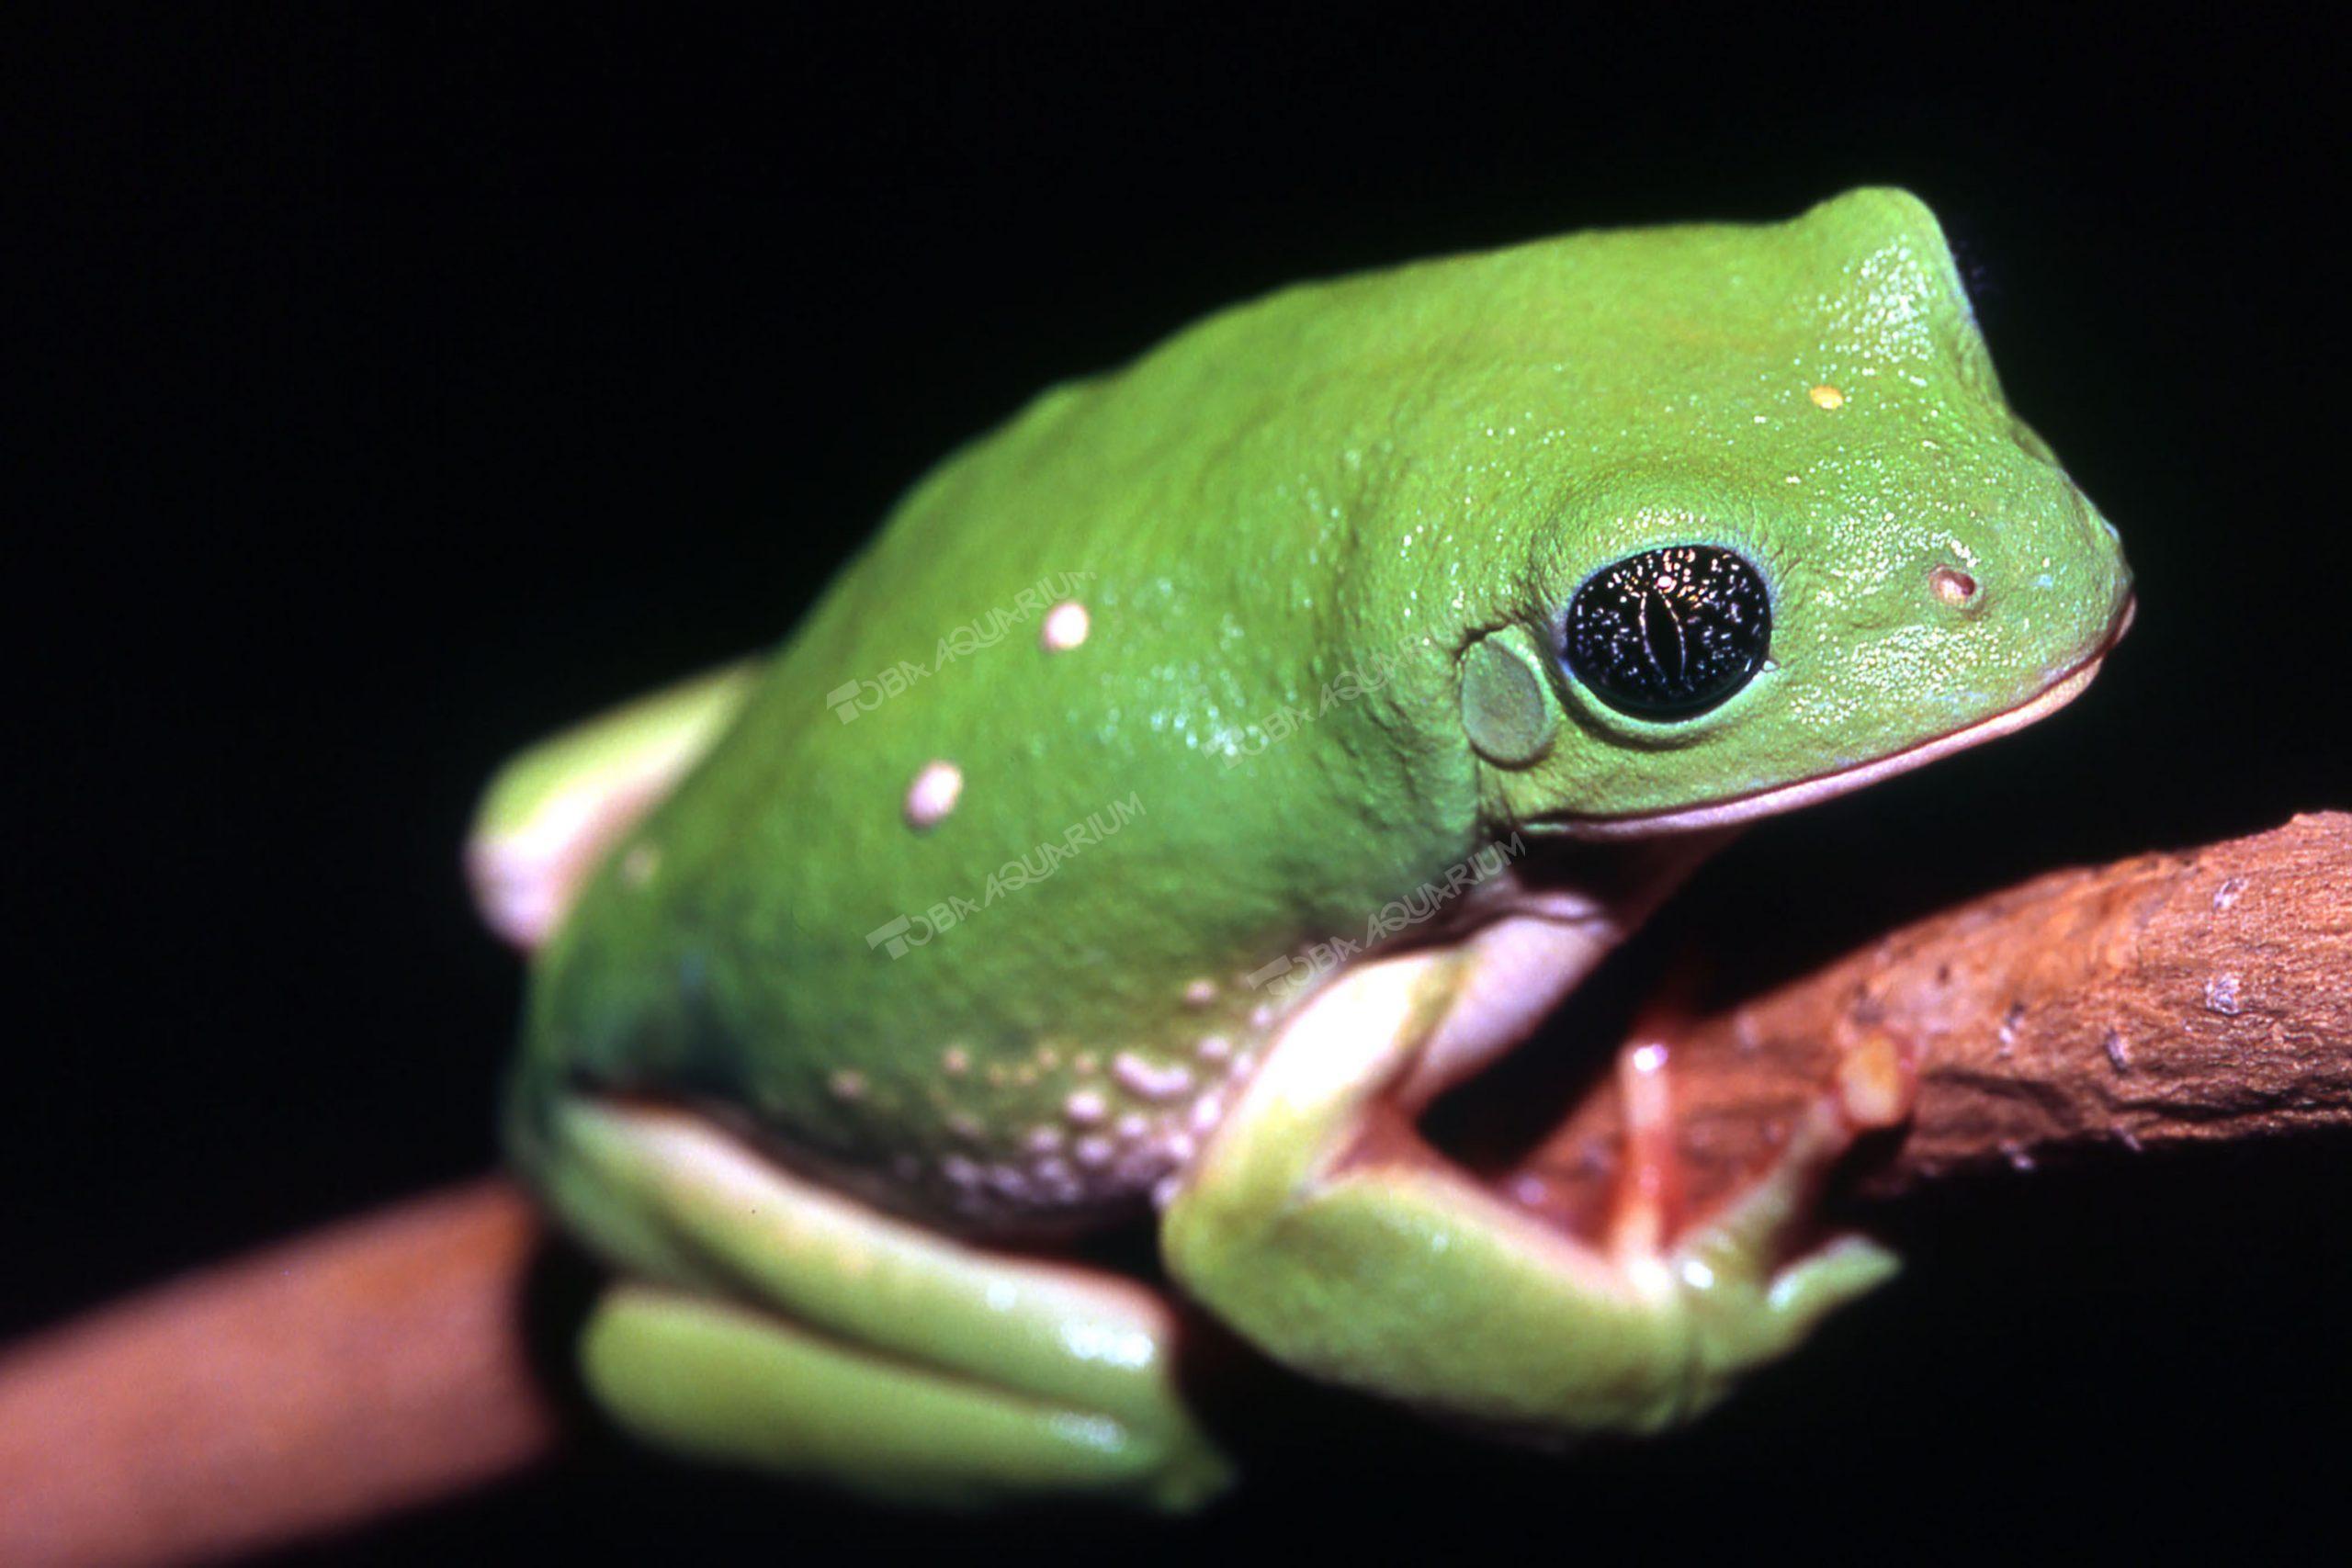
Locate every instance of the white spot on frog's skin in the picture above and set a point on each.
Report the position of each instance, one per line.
(2226, 895)
(960, 1171)
(1827, 397)
(2118, 1056)
(1696, 1275)
(847, 1084)
(1145, 1081)
(933, 795)
(1066, 626)
(956, 1061)
(640, 864)
(2221, 995)
(1200, 993)
(1216, 1048)
(1117, 1134)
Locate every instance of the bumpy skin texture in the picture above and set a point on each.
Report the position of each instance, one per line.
(1312, 505)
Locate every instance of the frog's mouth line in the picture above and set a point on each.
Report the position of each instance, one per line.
(1806, 792)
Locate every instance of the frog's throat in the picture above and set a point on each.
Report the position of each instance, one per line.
(1806, 792)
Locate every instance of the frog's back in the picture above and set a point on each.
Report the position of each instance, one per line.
(968, 907)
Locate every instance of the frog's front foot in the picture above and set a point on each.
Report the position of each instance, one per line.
(1319, 1224)
(777, 1325)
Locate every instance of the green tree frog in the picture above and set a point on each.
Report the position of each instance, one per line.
(1204, 771)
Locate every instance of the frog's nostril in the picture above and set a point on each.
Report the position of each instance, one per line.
(1952, 585)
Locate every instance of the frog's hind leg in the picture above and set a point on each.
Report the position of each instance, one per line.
(788, 1328)
(551, 813)
(1321, 1227)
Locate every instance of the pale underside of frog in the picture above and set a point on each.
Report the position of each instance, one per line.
(1202, 773)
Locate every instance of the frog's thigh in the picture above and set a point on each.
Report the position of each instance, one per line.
(550, 814)
(791, 1329)
(1316, 1224)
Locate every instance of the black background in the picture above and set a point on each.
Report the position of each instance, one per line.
(383, 396)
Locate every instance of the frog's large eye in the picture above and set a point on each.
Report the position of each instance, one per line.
(1670, 632)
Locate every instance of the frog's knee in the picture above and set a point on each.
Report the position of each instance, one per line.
(550, 815)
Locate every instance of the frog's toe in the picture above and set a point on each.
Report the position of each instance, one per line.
(1745, 1313)
(1752, 1295)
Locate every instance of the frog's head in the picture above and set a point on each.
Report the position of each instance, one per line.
(1807, 545)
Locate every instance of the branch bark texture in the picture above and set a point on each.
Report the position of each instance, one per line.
(2188, 997)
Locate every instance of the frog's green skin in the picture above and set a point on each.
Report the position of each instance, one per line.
(1257, 634)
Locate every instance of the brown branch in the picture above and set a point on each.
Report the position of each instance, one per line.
(338, 1377)
(381, 1363)
(2171, 998)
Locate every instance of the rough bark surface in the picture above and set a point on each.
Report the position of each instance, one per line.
(2177, 997)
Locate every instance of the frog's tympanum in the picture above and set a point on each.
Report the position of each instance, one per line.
(1202, 771)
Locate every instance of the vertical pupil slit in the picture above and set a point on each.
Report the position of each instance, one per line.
(1669, 633)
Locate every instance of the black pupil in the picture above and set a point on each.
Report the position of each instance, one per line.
(1670, 632)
